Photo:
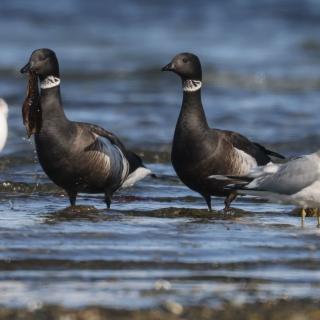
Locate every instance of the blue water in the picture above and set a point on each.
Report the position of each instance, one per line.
(261, 65)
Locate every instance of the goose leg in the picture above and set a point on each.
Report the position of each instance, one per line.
(107, 199)
(228, 200)
(208, 201)
(72, 197)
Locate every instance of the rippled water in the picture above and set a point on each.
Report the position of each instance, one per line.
(261, 67)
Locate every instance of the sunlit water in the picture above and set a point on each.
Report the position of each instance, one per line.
(158, 243)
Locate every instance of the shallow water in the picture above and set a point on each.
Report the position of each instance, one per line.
(158, 243)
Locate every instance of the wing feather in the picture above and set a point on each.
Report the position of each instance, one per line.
(290, 177)
(255, 150)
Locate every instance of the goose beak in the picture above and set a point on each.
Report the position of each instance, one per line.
(168, 67)
(26, 68)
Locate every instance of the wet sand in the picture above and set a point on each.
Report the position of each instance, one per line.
(271, 310)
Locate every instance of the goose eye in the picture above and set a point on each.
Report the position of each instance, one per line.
(185, 60)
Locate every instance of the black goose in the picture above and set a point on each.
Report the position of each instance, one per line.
(78, 157)
(199, 151)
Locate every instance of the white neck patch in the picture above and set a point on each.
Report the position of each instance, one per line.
(191, 85)
(49, 82)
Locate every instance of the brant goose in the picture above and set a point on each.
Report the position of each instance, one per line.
(295, 182)
(3, 123)
(199, 151)
(78, 157)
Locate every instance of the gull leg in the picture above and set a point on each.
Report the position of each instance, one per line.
(303, 215)
(208, 201)
(315, 212)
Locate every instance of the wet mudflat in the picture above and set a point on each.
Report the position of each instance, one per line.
(259, 311)
(157, 245)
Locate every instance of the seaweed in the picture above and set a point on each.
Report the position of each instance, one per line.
(31, 109)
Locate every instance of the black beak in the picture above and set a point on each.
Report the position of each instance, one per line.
(26, 68)
(168, 67)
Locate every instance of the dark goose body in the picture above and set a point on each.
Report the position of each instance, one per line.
(199, 151)
(78, 157)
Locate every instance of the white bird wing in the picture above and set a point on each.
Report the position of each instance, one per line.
(288, 178)
(3, 123)
(269, 168)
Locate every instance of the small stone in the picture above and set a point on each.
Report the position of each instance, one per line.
(173, 307)
(34, 305)
(162, 285)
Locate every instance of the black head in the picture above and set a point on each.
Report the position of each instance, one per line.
(186, 65)
(43, 62)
